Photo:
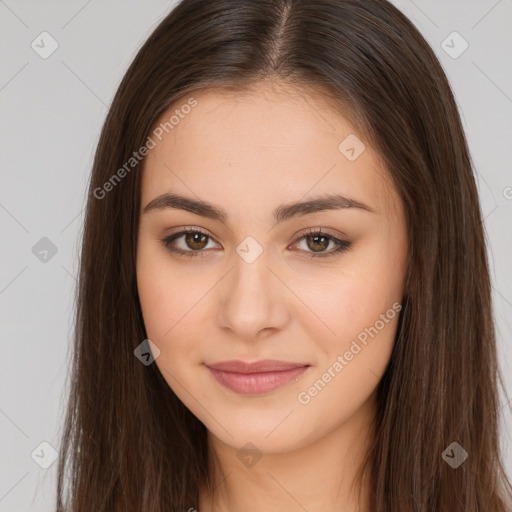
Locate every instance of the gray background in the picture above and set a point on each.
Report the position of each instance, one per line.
(51, 113)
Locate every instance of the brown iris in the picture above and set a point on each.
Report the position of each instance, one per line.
(196, 240)
(320, 242)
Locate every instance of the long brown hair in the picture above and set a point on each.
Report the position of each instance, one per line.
(129, 443)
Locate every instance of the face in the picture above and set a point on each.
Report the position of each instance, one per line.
(315, 288)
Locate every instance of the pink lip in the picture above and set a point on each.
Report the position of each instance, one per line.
(255, 378)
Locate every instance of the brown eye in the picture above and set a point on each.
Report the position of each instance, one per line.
(317, 243)
(189, 242)
(196, 240)
(192, 242)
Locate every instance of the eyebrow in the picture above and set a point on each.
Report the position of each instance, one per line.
(280, 214)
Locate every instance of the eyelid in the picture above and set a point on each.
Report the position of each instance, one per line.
(323, 231)
(191, 229)
(342, 245)
(183, 230)
(300, 234)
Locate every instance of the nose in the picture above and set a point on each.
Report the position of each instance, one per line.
(253, 300)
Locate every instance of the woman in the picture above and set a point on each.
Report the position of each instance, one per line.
(284, 298)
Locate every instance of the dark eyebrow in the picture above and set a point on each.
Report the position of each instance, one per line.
(280, 214)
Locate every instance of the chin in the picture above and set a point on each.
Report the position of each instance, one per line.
(266, 436)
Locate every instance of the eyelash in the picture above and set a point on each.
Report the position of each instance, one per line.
(343, 245)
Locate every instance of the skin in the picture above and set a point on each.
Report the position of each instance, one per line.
(248, 153)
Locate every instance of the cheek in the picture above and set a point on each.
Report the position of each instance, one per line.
(360, 304)
(165, 296)
(350, 301)
(364, 324)
(164, 310)
(157, 299)
(354, 360)
(175, 310)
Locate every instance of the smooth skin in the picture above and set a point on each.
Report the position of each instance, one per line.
(247, 154)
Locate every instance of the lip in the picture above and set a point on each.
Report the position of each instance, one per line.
(257, 377)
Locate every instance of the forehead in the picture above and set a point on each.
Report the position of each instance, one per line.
(265, 145)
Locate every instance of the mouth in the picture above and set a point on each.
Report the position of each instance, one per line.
(255, 378)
